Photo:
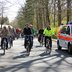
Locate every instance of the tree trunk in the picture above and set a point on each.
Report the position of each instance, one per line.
(54, 11)
(47, 12)
(59, 13)
(68, 10)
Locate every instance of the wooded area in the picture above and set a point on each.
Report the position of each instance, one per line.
(40, 12)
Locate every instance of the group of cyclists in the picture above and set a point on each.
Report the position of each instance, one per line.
(8, 35)
(43, 34)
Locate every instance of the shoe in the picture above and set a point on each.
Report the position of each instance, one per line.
(6, 48)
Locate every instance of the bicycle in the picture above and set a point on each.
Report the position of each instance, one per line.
(4, 45)
(48, 48)
(28, 44)
(10, 41)
(41, 40)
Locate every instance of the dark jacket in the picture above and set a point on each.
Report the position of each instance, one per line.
(40, 31)
(27, 31)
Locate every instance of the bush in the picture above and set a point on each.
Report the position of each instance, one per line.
(56, 29)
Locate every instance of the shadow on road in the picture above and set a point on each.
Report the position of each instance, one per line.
(2, 54)
(44, 54)
(22, 55)
(62, 55)
(63, 52)
(17, 67)
(38, 46)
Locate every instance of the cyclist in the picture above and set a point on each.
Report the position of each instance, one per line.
(10, 36)
(28, 32)
(4, 35)
(40, 34)
(18, 31)
(32, 31)
(48, 32)
(13, 33)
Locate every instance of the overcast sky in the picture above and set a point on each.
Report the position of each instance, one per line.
(12, 7)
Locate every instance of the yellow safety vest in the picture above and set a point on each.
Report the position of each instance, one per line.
(48, 32)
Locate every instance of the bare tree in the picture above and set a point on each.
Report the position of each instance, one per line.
(47, 12)
(54, 11)
(59, 12)
(2, 11)
(68, 10)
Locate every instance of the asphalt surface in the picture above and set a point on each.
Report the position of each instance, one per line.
(16, 59)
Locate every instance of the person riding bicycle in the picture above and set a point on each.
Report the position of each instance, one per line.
(28, 32)
(32, 31)
(10, 36)
(4, 35)
(48, 32)
(40, 34)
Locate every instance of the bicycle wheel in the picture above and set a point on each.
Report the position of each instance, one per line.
(4, 46)
(4, 50)
(48, 48)
(10, 42)
(28, 49)
(41, 41)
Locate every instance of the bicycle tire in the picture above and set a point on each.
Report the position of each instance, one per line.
(48, 48)
(4, 47)
(41, 41)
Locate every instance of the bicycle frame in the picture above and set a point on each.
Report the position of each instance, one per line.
(28, 43)
(48, 48)
(10, 41)
(47, 43)
(4, 45)
(41, 41)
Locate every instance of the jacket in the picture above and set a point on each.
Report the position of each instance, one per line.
(48, 32)
(27, 31)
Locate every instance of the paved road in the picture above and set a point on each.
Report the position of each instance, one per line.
(16, 60)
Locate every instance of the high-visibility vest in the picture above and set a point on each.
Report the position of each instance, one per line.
(48, 32)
